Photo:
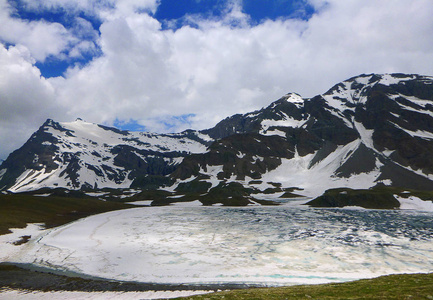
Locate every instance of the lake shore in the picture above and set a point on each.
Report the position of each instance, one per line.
(25, 284)
(30, 277)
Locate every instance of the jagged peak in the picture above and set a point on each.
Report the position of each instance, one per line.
(77, 121)
(48, 122)
(294, 98)
(355, 89)
(383, 79)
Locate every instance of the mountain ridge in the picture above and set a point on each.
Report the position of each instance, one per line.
(368, 130)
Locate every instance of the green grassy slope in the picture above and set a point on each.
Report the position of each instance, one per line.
(379, 197)
(414, 286)
(17, 210)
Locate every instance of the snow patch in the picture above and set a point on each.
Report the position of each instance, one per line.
(366, 134)
(406, 107)
(211, 170)
(354, 208)
(257, 158)
(419, 133)
(340, 115)
(32, 179)
(294, 98)
(204, 137)
(421, 102)
(274, 132)
(414, 203)
(96, 194)
(388, 79)
(7, 247)
(194, 203)
(387, 152)
(176, 184)
(336, 103)
(141, 202)
(252, 115)
(387, 182)
(240, 155)
(287, 122)
(363, 79)
(316, 179)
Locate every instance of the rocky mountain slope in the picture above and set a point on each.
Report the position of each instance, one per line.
(366, 131)
(81, 155)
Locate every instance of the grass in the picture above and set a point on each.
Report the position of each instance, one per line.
(378, 197)
(16, 210)
(414, 286)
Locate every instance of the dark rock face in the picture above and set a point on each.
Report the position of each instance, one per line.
(368, 130)
(362, 160)
(239, 155)
(394, 117)
(33, 155)
(251, 122)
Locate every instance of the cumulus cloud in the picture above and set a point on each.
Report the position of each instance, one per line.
(26, 98)
(41, 38)
(211, 68)
(215, 69)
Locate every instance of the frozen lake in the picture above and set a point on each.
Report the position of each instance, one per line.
(257, 245)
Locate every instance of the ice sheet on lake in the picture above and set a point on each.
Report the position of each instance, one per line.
(273, 246)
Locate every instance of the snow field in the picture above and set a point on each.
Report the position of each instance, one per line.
(316, 179)
(9, 251)
(414, 203)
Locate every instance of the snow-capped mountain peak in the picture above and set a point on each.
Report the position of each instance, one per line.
(368, 130)
(294, 98)
(80, 154)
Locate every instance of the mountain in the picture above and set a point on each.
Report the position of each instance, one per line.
(81, 155)
(370, 130)
(365, 131)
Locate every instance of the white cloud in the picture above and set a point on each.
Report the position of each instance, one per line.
(219, 67)
(26, 99)
(40, 37)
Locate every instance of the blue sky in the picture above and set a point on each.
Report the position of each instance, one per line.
(257, 10)
(170, 65)
(54, 66)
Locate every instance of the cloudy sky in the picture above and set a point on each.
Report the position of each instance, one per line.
(169, 65)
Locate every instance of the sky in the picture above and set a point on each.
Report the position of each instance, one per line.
(170, 65)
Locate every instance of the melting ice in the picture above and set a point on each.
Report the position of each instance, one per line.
(256, 245)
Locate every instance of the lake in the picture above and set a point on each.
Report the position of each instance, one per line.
(255, 245)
